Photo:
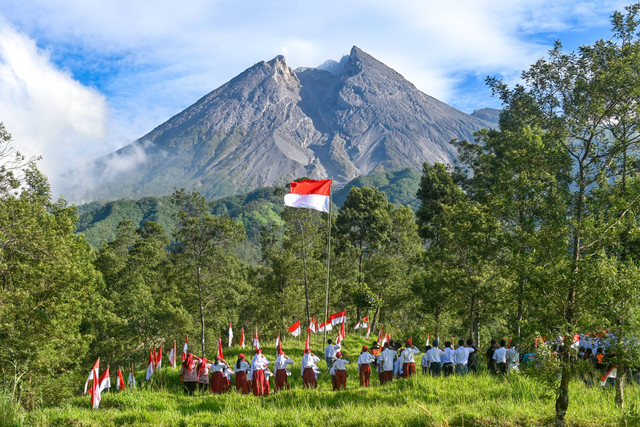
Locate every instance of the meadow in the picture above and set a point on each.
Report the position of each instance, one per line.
(474, 400)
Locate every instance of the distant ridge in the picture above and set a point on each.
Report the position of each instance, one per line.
(272, 124)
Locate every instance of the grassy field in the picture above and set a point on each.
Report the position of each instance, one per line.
(472, 400)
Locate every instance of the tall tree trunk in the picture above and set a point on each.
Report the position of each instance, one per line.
(436, 316)
(282, 304)
(520, 312)
(375, 316)
(471, 311)
(622, 373)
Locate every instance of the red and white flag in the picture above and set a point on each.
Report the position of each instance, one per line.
(366, 337)
(256, 340)
(159, 359)
(93, 374)
(96, 390)
(363, 324)
(150, 365)
(611, 373)
(172, 355)
(120, 381)
(184, 349)
(313, 326)
(338, 318)
(309, 194)
(230, 335)
(155, 358)
(427, 343)
(306, 343)
(220, 347)
(242, 337)
(380, 336)
(385, 339)
(278, 345)
(327, 325)
(295, 329)
(341, 334)
(131, 381)
(105, 380)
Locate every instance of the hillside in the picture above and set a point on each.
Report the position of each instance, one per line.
(271, 124)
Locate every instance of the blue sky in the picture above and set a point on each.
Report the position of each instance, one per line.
(81, 78)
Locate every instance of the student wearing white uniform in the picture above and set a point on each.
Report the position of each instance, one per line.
(447, 359)
(258, 364)
(385, 360)
(282, 371)
(461, 358)
(330, 352)
(435, 357)
(500, 357)
(309, 368)
(408, 361)
(242, 368)
(340, 366)
(424, 362)
(364, 369)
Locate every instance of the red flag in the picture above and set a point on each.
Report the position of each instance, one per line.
(120, 381)
(313, 326)
(366, 337)
(184, 349)
(256, 340)
(452, 346)
(309, 194)
(341, 334)
(295, 329)
(155, 358)
(306, 343)
(611, 373)
(278, 346)
(380, 335)
(242, 337)
(93, 374)
(104, 381)
(220, 347)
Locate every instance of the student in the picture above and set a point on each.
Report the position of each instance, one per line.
(435, 355)
(491, 364)
(258, 364)
(473, 357)
(309, 368)
(447, 359)
(242, 367)
(216, 385)
(267, 376)
(203, 374)
(282, 371)
(461, 358)
(408, 361)
(364, 369)
(500, 358)
(513, 358)
(340, 366)
(330, 352)
(189, 373)
(385, 361)
(424, 362)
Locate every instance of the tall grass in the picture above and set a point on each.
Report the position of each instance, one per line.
(514, 400)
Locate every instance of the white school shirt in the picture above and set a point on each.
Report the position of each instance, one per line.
(340, 364)
(217, 368)
(386, 357)
(282, 362)
(424, 362)
(447, 357)
(408, 353)
(309, 361)
(435, 354)
(366, 358)
(259, 362)
(331, 350)
(244, 367)
(461, 355)
(500, 355)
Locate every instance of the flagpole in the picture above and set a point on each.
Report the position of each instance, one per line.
(326, 301)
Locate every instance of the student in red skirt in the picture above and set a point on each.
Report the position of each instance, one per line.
(282, 371)
(364, 367)
(309, 369)
(258, 364)
(340, 366)
(216, 383)
(242, 367)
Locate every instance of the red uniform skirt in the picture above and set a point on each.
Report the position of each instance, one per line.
(365, 374)
(282, 382)
(341, 379)
(257, 384)
(242, 386)
(408, 369)
(216, 383)
(309, 378)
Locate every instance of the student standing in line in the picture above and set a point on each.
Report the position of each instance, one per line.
(500, 358)
(435, 357)
(385, 360)
(282, 371)
(447, 359)
(424, 362)
(491, 364)
(189, 373)
(364, 367)
(330, 352)
(473, 357)
(408, 361)
(242, 367)
(309, 368)
(216, 385)
(203, 374)
(461, 358)
(258, 364)
(340, 365)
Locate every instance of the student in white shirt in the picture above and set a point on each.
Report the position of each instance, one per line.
(461, 358)
(424, 362)
(309, 368)
(385, 360)
(340, 366)
(330, 352)
(408, 361)
(364, 369)
(447, 359)
(435, 359)
(242, 368)
(258, 364)
(282, 371)
(500, 357)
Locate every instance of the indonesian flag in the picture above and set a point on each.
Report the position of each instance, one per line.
(256, 340)
(155, 358)
(184, 349)
(313, 326)
(385, 339)
(159, 359)
(452, 346)
(327, 325)
(295, 329)
(338, 318)
(341, 334)
(220, 347)
(306, 343)
(131, 381)
(120, 381)
(242, 337)
(105, 380)
(611, 373)
(363, 324)
(366, 337)
(172, 355)
(93, 374)
(427, 343)
(380, 336)
(309, 194)
(230, 335)
(150, 366)
(278, 346)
